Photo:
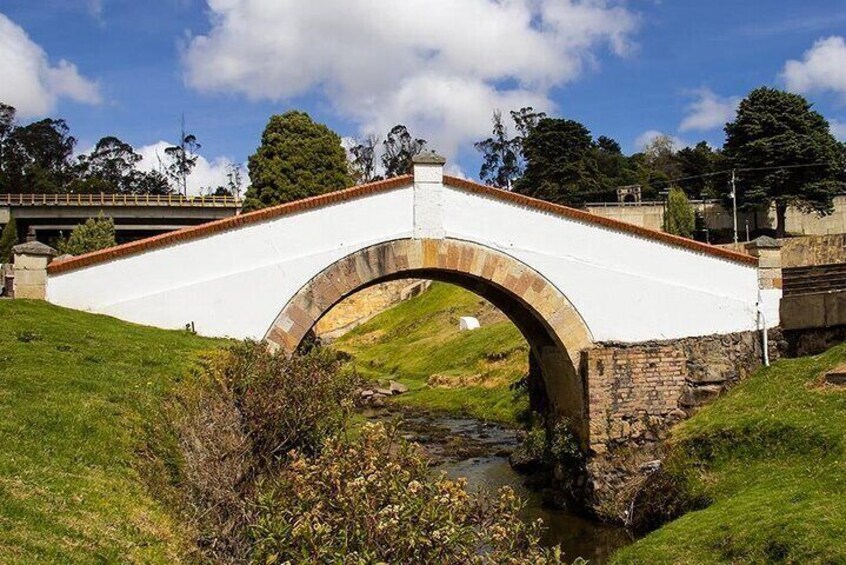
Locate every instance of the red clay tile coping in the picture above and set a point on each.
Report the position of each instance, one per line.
(217, 226)
(589, 218)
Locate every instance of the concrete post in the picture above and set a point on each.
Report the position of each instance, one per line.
(428, 195)
(30, 265)
(768, 252)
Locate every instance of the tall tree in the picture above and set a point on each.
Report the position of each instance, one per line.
(36, 157)
(500, 156)
(363, 160)
(182, 160)
(798, 161)
(8, 239)
(113, 163)
(697, 166)
(398, 149)
(297, 158)
(559, 163)
(660, 155)
(7, 125)
(525, 121)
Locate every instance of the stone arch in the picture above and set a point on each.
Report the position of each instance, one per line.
(555, 331)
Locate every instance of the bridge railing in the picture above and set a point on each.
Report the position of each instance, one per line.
(101, 199)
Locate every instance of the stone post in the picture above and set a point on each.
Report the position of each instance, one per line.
(30, 264)
(428, 195)
(768, 252)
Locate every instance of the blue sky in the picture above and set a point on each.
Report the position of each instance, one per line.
(624, 69)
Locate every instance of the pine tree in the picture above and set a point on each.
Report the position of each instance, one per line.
(93, 235)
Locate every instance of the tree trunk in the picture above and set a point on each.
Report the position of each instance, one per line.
(781, 212)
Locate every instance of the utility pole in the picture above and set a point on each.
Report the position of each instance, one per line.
(734, 204)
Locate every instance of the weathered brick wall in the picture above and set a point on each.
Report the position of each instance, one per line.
(637, 390)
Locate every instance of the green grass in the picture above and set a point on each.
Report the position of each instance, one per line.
(771, 456)
(419, 338)
(81, 423)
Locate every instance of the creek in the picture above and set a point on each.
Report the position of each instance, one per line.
(478, 451)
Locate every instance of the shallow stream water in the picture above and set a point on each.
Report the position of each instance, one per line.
(478, 452)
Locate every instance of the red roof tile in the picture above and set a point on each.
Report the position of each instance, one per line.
(203, 230)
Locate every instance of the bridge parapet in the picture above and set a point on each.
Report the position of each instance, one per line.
(102, 199)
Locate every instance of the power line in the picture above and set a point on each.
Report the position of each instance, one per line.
(743, 170)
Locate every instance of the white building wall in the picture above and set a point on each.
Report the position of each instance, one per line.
(626, 288)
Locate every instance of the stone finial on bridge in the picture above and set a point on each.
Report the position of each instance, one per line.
(30, 269)
(768, 252)
(428, 195)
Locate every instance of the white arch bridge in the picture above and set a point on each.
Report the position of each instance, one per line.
(620, 319)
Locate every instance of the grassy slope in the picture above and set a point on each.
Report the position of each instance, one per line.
(771, 457)
(420, 337)
(80, 397)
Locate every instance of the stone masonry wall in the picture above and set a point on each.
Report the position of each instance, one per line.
(636, 391)
(813, 250)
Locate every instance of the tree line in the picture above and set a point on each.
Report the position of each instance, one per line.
(780, 149)
(38, 158)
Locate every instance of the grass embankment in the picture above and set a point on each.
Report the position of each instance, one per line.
(81, 407)
(420, 338)
(771, 456)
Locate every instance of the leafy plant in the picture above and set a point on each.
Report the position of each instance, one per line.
(375, 501)
(93, 235)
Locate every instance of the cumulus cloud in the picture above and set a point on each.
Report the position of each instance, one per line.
(206, 176)
(822, 68)
(30, 83)
(437, 66)
(838, 129)
(643, 140)
(709, 111)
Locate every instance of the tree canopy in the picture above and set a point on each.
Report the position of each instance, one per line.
(398, 150)
(297, 158)
(786, 154)
(559, 163)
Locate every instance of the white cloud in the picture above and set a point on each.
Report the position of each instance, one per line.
(206, 176)
(30, 83)
(438, 66)
(709, 111)
(822, 68)
(644, 139)
(838, 129)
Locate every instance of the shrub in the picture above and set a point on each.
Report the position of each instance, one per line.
(237, 418)
(376, 501)
(681, 218)
(289, 402)
(93, 235)
(217, 461)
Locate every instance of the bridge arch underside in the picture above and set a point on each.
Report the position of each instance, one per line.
(551, 325)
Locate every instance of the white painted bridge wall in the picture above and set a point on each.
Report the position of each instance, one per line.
(234, 283)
